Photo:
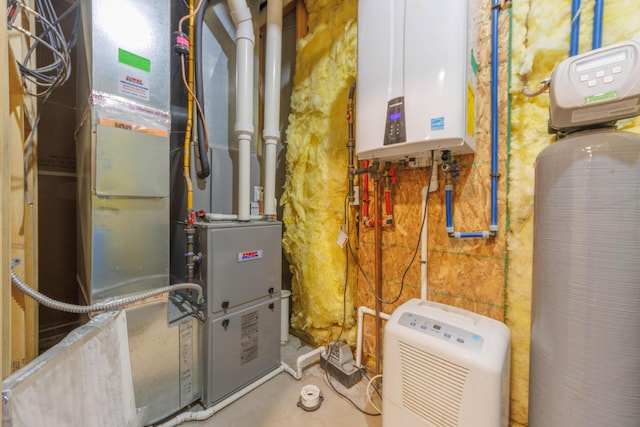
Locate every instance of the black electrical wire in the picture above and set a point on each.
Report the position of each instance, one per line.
(54, 74)
(417, 248)
(344, 318)
(203, 155)
(49, 76)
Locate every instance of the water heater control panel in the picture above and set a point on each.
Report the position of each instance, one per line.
(599, 86)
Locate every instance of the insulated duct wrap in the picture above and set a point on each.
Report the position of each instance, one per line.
(84, 380)
(585, 346)
(316, 184)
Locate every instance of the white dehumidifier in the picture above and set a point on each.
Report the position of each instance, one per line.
(445, 367)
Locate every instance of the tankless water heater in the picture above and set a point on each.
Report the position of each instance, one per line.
(417, 78)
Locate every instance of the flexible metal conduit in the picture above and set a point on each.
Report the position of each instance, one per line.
(493, 227)
(94, 308)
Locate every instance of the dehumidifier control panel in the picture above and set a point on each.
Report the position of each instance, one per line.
(443, 331)
(598, 86)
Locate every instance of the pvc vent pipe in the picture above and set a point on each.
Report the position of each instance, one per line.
(245, 41)
(271, 130)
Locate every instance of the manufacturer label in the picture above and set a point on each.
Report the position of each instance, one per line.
(437, 123)
(249, 255)
(186, 363)
(608, 96)
(133, 86)
(249, 333)
(471, 110)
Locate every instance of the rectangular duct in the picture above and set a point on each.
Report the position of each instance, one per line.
(122, 151)
(122, 144)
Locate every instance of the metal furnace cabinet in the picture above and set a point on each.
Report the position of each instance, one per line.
(241, 271)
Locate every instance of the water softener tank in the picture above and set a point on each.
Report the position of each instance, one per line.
(585, 333)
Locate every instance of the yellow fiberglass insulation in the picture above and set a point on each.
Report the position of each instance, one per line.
(316, 183)
(540, 39)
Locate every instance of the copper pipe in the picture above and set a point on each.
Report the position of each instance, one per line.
(378, 267)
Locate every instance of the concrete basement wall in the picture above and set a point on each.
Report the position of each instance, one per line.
(490, 277)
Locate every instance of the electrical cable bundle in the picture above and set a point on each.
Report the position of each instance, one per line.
(42, 80)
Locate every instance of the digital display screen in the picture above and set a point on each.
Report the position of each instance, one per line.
(395, 116)
(601, 61)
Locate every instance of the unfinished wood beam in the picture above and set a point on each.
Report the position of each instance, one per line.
(19, 221)
(5, 189)
(302, 26)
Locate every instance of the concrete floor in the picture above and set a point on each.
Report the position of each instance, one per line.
(275, 402)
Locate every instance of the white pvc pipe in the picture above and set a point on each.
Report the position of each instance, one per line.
(271, 129)
(362, 310)
(431, 186)
(245, 41)
(284, 316)
(228, 217)
(423, 246)
(303, 359)
(207, 413)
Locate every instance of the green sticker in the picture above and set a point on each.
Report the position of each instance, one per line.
(600, 97)
(134, 60)
(474, 63)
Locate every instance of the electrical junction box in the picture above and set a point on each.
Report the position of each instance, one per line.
(596, 87)
(417, 78)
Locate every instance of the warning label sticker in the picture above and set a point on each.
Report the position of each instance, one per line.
(131, 85)
(248, 337)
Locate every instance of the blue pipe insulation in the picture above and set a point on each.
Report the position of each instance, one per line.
(493, 228)
(494, 116)
(574, 42)
(448, 190)
(474, 234)
(598, 13)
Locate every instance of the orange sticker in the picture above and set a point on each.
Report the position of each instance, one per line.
(132, 127)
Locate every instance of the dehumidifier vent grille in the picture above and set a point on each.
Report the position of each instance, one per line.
(432, 387)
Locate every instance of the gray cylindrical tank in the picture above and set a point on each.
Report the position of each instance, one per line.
(585, 331)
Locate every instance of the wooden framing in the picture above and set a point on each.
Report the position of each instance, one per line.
(17, 219)
(5, 188)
